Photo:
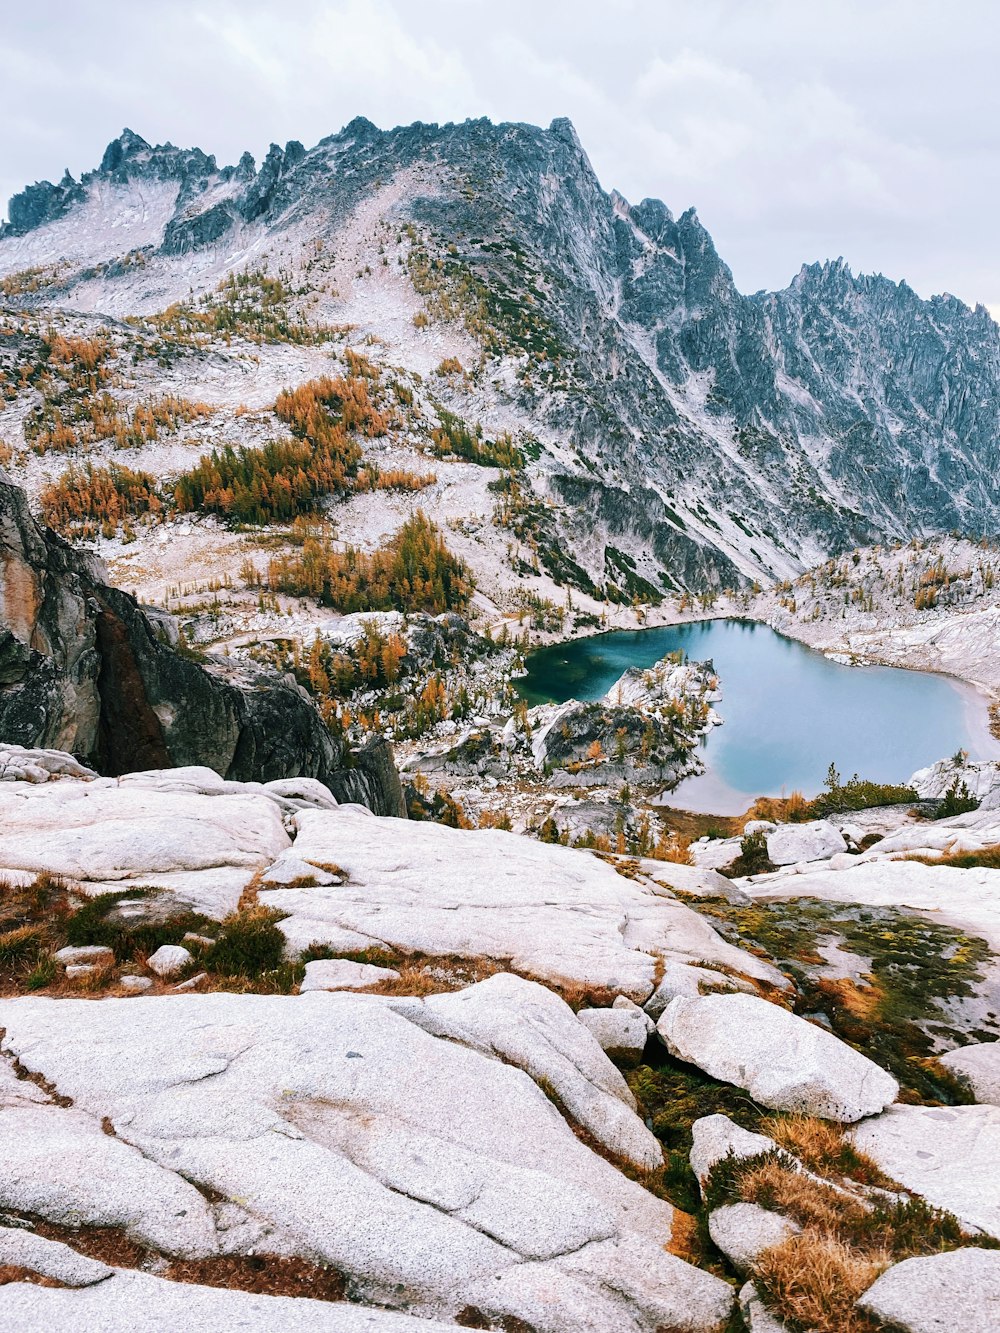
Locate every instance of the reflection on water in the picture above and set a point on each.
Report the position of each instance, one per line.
(788, 711)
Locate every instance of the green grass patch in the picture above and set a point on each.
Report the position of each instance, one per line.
(96, 922)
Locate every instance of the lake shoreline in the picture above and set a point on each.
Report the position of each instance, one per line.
(786, 711)
(730, 609)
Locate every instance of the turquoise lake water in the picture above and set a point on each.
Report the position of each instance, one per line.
(788, 711)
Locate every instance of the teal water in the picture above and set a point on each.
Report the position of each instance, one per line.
(788, 711)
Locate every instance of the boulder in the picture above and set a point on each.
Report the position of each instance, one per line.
(948, 1154)
(192, 983)
(524, 1023)
(77, 971)
(816, 841)
(623, 1002)
(783, 1061)
(977, 1065)
(169, 959)
(621, 1033)
(939, 1293)
(340, 974)
(711, 853)
(743, 1231)
(716, 1136)
(135, 985)
(97, 955)
(291, 870)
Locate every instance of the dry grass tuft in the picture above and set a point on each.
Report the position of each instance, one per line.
(780, 809)
(820, 1145)
(783, 1189)
(815, 1280)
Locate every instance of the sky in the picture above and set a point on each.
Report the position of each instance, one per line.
(801, 130)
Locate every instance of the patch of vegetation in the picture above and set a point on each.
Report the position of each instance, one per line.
(253, 305)
(848, 1237)
(249, 944)
(98, 921)
(455, 438)
(625, 584)
(987, 859)
(854, 794)
(753, 858)
(415, 571)
(671, 1097)
(914, 962)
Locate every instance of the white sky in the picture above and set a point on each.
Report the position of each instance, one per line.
(800, 129)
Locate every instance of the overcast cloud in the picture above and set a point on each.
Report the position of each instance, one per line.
(799, 129)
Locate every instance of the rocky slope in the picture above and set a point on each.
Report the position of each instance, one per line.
(268, 1060)
(681, 434)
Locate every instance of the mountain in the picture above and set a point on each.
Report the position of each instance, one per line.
(680, 433)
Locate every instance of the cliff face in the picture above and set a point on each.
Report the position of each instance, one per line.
(706, 434)
(83, 668)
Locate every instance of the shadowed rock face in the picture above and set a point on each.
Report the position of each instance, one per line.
(84, 669)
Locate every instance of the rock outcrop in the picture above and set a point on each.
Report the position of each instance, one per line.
(946, 1153)
(433, 1176)
(83, 668)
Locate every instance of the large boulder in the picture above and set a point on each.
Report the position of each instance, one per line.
(84, 669)
(816, 841)
(977, 1065)
(783, 1061)
(939, 1293)
(948, 1154)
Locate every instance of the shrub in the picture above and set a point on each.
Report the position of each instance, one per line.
(855, 794)
(249, 944)
(753, 858)
(415, 571)
(957, 800)
(86, 500)
(454, 437)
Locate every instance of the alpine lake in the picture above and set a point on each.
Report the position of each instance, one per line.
(788, 711)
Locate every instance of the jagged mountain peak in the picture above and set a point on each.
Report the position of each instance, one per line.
(708, 432)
